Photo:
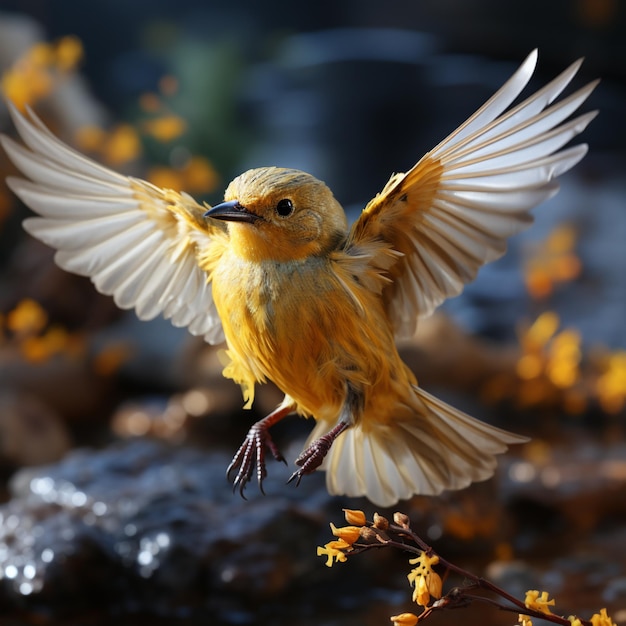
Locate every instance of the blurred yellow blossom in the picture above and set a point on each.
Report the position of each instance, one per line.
(69, 52)
(200, 176)
(602, 619)
(25, 84)
(33, 76)
(40, 348)
(122, 145)
(117, 146)
(553, 261)
(109, 360)
(575, 621)
(166, 178)
(165, 128)
(28, 317)
(540, 331)
(611, 383)
(196, 176)
(550, 360)
(40, 54)
(524, 620)
(538, 601)
(564, 357)
(90, 138)
(404, 619)
(426, 581)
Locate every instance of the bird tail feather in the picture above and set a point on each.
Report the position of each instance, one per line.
(437, 448)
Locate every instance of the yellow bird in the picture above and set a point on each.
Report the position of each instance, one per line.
(308, 303)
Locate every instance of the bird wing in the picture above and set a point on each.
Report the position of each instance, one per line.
(453, 211)
(136, 242)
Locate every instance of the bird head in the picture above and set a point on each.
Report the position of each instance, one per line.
(280, 214)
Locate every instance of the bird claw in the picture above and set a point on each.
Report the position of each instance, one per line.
(313, 456)
(251, 456)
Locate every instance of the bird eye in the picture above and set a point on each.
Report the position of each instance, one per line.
(284, 208)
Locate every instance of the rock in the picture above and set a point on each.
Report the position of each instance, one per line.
(148, 526)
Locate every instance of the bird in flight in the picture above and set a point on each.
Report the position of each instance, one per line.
(305, 301)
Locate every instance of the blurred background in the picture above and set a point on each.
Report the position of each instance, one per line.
(115, 434)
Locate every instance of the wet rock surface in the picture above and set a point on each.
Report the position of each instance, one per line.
(149, 526)
(148, 530)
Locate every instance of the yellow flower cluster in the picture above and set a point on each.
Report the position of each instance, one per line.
(553, 261)
(347, 535)
(123, 143)
(602, 619)
(197, 175)
(117, 146)
(538, 601)
(426, 581)
(546, 352)
(611, 384)
(33, 76)
(28, 326)
(166, 127)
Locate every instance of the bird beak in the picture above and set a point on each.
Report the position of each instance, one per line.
(231, 211)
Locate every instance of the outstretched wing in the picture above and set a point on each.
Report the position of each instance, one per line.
(453, 211)
(135, 241)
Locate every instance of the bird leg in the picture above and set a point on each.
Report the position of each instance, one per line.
(311, 458)
(251, 453)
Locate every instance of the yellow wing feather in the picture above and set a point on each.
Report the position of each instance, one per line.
(454, 210)
(137, 242)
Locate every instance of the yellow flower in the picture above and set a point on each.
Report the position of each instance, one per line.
(421, 595)
(90, 138)
(334, 550)
(524, 620)
(554, 261)
(166, 178)
(611, 384)
(111, 358)
(40, 54)
(165, 128)
(355, 517)
(69, 52)
(427, 582)
(28, 317)
(538, 602)
(37, 349)
(404, 619)
(575, 621)
(602, 619)
(349, 534)
(122, 145)
(200, 176)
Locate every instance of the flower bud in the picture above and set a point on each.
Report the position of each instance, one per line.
(401, 519)
(404, 619)
(381, 522)
(355, 517)
(349, 534)
(368, 534)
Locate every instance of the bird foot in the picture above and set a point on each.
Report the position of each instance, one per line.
(251, 453)
(311, 458)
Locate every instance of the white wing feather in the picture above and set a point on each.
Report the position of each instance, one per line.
(454, 210)
(125, 234)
